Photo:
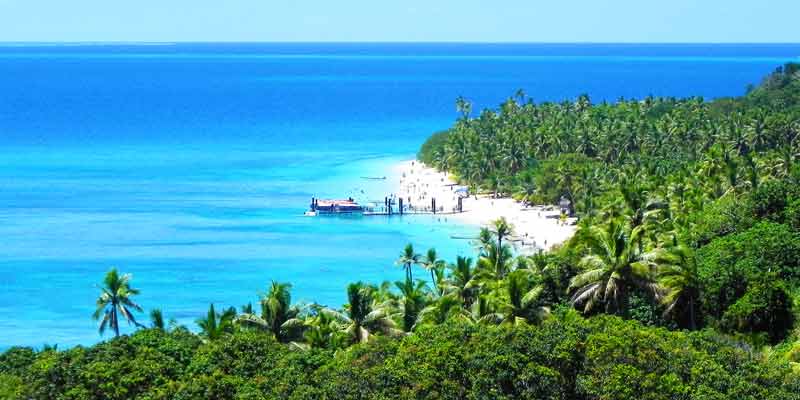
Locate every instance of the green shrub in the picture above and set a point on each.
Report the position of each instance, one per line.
(766, 307)
(728, 264)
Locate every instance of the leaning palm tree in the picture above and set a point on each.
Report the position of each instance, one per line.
(115, 299)
(278, 315)
(408, 258)
(678, 276)
(216, 325)
(610, 270)
(435, 266)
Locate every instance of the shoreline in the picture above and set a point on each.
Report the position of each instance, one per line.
(535, 227)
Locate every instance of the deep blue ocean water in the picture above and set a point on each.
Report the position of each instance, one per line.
(190, 165)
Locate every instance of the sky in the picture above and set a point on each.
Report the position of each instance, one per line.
(640, 21)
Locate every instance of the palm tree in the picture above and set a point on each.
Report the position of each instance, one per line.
(483, 310)
(484, 241)
(526, 187)
(495, 262)
(463, 281)
(215, 325)
(116, 298)
(678, 277)
(637, 200)
(157, 319)
(610, 269)
(442, 310)
(408, 258)
(501, 229)
(464, 107)
(435, 266)
(324, 328)
(362, 318)
(522, 303)
(732, 172)
(278, 315)
(414, 298)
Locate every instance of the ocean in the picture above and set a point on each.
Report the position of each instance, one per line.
(190, 165)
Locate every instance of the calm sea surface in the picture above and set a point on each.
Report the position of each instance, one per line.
(190, 165)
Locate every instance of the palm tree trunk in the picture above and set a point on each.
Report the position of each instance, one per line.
(114, 320)
(499, 251)
(433, 281)
(625, 303)
(359, 339)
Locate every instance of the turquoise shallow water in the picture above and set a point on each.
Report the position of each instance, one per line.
(192, 228)
(190, 165)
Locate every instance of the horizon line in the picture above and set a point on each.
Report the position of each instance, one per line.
(176, 42)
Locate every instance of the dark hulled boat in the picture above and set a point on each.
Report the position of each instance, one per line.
(347, 206)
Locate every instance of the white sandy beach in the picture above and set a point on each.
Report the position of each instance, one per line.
(535, 227)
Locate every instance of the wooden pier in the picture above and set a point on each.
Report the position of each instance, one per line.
(411, 212)
(390, 207)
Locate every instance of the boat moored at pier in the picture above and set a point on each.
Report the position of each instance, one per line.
(335, 206)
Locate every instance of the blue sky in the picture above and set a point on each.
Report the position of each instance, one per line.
(403, 20)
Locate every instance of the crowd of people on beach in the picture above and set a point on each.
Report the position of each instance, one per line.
(419, 184)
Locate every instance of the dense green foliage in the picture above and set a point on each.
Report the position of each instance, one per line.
(564, 357)
(691, 148)
(687, 208)
(681, 281)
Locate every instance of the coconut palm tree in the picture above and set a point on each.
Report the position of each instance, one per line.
(324, 328)
(362, 318)
(526, 187)
(678, 277)
(464, 107)
(408, 258)
(216, 325)
(116, 299)
(435, 266)
(501, 229)
(278, 315)
(157, 319)
(443, 309)
(484, 241)
(414, 297)
(522, 303)
(611, 268)
(463, 281)
(638, 200)
(496, 262)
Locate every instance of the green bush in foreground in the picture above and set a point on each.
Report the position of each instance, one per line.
(565, 357)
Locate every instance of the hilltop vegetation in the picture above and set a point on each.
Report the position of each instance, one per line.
(681, 282)
(565, 357)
